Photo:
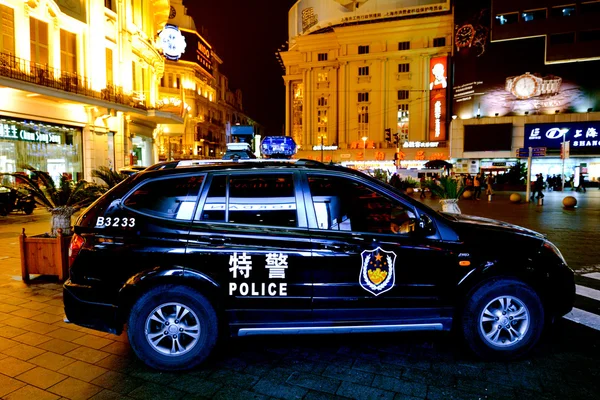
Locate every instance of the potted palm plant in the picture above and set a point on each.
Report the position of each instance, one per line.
(448, 190)
(110, 177)
(46, 254)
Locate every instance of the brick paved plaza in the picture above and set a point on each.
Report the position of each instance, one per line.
(41, 357)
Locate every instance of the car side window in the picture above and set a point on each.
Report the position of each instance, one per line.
(343, 204)
(257, 199)
(173, 198)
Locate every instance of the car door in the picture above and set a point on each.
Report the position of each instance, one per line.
(250, 235)
(370, 262)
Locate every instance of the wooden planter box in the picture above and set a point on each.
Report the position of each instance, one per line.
(44, 255)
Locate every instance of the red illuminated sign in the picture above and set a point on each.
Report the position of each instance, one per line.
(438, 93)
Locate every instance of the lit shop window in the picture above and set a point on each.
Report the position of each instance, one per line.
(535, 15)
(505, 19)
(562, 11)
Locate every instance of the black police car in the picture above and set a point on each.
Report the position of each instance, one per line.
(182, 255)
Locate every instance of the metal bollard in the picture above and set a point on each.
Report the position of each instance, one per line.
(540, 201)
(489, 197)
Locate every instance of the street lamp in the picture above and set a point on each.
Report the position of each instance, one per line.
(364, 139)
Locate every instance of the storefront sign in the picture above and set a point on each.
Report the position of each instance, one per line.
(419, 145)
(438, 88)
(198, 50)
(19, 132)
(326, 148)
(581, 135)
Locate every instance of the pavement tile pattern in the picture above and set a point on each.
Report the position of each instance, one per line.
(42, 357)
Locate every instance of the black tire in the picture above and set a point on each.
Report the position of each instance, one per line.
(28, 209)
(520, 327)
(165, 298)
(3, 210)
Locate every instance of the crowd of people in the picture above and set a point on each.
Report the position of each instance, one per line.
(483, 183)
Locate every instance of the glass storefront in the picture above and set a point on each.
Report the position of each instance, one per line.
(56, 149)
(141, 153)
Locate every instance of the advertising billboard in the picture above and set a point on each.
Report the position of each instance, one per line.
(182, 44)
(583, 137)
(197, 50)
(511, 77)
(438, 93)
(307, 16)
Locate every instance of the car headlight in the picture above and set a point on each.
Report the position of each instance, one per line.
(552, 247)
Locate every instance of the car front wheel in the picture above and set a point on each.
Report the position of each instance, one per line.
(172, 328)
(503, 320)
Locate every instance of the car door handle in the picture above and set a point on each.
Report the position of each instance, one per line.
(218, 240)
(346, 248)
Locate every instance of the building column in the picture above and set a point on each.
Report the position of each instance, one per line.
(288, 120)
(342, 104)
(384, 101)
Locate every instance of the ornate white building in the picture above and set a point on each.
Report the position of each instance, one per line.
(79, 84)
(359, 74)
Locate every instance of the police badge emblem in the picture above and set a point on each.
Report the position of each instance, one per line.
(377, 274)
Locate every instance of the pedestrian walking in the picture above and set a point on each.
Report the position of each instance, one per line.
(581, 186)
(538, 186)
(477, 181)
(489, 182)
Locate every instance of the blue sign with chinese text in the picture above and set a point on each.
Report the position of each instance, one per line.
(581, 135)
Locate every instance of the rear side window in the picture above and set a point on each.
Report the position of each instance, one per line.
(264, 199)
(173, 198)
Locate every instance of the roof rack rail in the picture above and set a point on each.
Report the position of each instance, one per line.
(192, 163)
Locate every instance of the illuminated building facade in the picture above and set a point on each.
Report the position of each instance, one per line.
(193, 87)
(366, 82)
(524, 78)
(79, 84)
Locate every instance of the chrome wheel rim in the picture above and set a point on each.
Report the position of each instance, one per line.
(172, 329)
(504, 321)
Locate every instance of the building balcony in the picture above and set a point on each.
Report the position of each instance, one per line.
(51, 82)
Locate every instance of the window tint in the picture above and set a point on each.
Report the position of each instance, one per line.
(267, 199)
(168, 198)
(342, 204)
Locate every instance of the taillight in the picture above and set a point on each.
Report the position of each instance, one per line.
(77, 243)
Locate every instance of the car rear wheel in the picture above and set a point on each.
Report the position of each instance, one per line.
(503, 320)
(172, 328)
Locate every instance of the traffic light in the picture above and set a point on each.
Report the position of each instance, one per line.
(388, 134)
(396, 140)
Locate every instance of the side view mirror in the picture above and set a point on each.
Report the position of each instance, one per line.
(426, 225)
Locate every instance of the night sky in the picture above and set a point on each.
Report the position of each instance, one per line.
(246, 35)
